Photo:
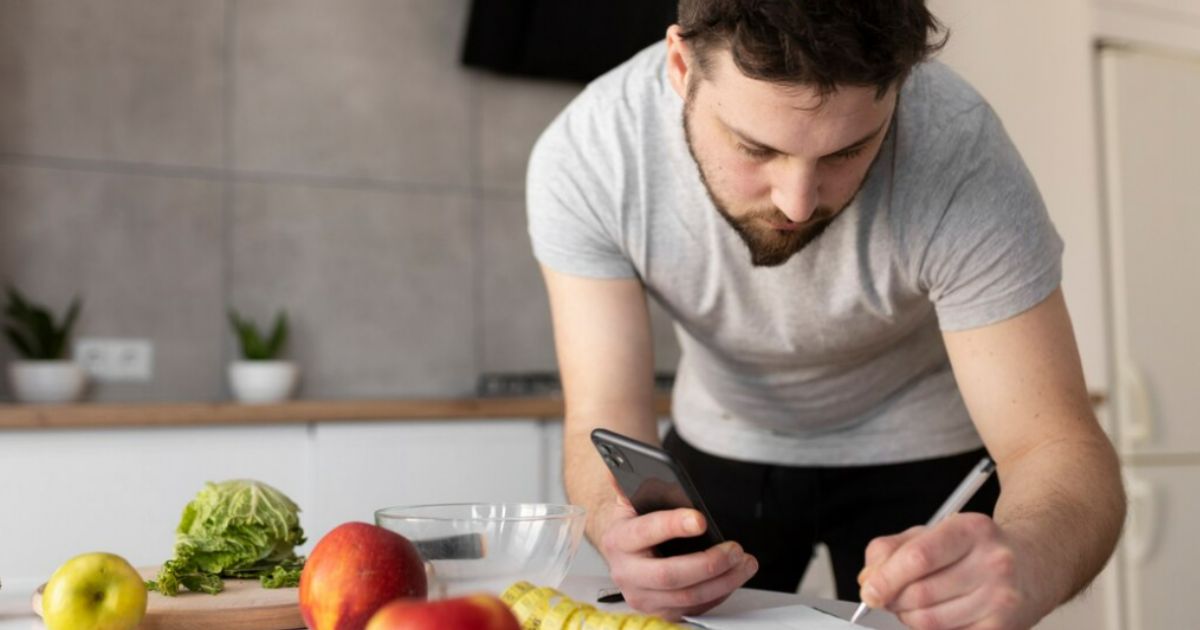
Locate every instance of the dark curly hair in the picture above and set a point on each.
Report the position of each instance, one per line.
(819, 43)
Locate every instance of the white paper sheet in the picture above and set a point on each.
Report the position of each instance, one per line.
(796, 617)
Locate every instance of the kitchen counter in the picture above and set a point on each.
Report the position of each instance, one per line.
(100, 415)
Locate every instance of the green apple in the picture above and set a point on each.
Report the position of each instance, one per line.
(94, 591)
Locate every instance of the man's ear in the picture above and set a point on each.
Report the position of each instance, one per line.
(679, 60)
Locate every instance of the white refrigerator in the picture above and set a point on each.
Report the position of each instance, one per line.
(1150, 108)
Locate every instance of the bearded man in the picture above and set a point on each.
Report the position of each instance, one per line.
(864, 284)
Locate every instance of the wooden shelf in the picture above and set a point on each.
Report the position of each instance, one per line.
(98, 415)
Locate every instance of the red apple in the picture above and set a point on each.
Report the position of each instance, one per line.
(353, 571)
(473, 612)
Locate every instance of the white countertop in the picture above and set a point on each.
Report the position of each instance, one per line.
(15, 612)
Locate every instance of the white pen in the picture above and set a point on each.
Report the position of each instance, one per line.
(955, 502)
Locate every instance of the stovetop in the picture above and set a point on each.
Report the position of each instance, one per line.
(499, 384)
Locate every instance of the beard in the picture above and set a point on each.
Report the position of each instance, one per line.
(769, 246)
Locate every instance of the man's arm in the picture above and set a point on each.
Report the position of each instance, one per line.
(1061, 502)
(603, 340)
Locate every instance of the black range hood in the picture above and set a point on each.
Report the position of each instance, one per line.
(573, 40)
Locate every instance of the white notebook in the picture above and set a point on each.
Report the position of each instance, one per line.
(797, 617)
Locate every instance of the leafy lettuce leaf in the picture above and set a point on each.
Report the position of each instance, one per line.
(234, 529)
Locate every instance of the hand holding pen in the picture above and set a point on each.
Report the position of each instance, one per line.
(953, 504)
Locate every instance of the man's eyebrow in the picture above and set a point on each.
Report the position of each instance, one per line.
(755, 144)
(860, 142)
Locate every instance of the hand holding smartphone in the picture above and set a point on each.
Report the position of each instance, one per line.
(652, 480)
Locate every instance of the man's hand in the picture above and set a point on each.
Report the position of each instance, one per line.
(962, 573)
(676, 586)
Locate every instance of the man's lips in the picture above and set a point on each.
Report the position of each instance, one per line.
(784, 226)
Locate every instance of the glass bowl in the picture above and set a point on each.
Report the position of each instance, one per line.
(485, 547)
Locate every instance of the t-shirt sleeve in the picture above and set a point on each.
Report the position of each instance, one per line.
(993, 252)
(573, 205)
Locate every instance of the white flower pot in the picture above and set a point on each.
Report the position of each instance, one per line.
(263, 381)
(47, 381)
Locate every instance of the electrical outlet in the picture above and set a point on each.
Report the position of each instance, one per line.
(112, 359)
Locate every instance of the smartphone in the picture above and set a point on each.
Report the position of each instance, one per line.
(652, 480)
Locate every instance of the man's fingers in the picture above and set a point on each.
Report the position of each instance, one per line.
(958, 612)
(882, 548)
(708, 594)
(665, 574)
(671, 604)
(948, 584)
(646, 531)
(925, 553)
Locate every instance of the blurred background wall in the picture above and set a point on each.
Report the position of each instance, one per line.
(169, 159)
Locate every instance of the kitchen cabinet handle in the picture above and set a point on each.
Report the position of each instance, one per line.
(1142, 533)
(1137, 419)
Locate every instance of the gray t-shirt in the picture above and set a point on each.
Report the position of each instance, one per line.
(836, 356)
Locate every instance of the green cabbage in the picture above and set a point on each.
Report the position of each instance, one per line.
(234, 529)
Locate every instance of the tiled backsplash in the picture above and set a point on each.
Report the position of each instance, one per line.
(168, 159)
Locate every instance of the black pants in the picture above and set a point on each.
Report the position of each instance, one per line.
(778, 513)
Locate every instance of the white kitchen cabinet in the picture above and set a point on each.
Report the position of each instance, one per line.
(360, 467)
(1150, 106)
(66, 492)
(1160, 546)
(1167, 9)
(1150, 100)
(1166, 24)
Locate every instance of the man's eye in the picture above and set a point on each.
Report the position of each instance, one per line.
(846, 156)
(754, 152)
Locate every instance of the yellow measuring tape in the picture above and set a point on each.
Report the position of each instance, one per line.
(543, 608)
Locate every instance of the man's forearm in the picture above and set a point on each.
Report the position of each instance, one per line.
(586, 481)
(1064, 503)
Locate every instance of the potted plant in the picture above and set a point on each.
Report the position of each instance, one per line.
(261, 376)
(42, 375)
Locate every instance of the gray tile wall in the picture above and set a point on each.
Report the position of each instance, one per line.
(168, 159)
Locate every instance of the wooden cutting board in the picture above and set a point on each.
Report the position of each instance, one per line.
(243, 605)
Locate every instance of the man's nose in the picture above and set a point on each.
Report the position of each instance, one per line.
(795, 192)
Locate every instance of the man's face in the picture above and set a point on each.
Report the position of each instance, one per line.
(779, 162)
